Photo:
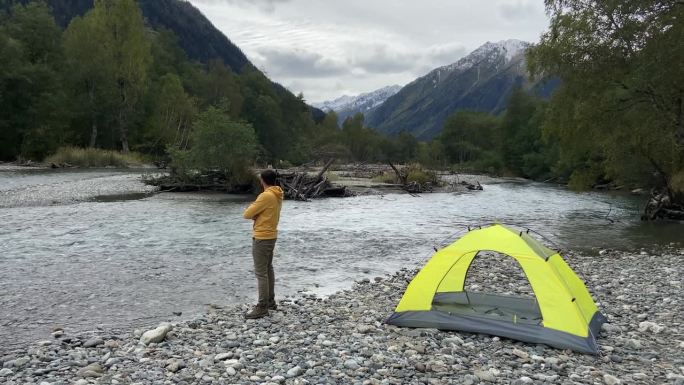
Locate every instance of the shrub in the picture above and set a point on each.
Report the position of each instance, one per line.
(416, 173)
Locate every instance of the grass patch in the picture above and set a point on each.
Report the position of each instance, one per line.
(94, 157)
(386, 177)
(332, 177)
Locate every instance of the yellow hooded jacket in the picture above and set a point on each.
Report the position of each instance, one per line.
(265, 211)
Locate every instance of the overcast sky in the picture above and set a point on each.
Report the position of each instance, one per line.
(328, 48)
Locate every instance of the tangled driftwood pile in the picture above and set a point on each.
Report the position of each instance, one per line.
(303, 186)
(661, 206)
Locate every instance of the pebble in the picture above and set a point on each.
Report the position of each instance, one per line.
(223, 356)
(485, 375)
(520, 354)
(5, 372)
(296, 371)
(650, 326)
(92, 370)
(95, 341)
(610, 379)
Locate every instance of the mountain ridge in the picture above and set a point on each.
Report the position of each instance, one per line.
(346, 106)
(196, 34)
(482, 81)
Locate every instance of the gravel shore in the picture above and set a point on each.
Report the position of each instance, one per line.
(341, 339)
(87, 187)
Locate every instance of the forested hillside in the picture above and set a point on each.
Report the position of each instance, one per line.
(137, 90)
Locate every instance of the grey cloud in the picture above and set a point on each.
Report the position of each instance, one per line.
(445, 53)
(518, 10)
(299, 63)
(379, 58)
(267, 6)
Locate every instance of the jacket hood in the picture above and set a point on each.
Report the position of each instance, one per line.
(277, 191)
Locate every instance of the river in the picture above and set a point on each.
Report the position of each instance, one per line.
(127, 260)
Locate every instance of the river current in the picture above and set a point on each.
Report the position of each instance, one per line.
(130, 261)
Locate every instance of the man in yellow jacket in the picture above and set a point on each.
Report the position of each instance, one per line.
(265, 212)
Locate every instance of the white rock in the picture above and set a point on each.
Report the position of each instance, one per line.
(294, 372)
(610, 380)
(156, 335)
(222, 356)
(231, 371)
(485, 375)
(610, 328)
(650, 326)
(526, 380)
(5, 372)
(454, 340)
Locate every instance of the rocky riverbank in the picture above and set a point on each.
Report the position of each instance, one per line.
(342, 340)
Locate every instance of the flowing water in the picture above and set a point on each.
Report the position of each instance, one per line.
(129, 261)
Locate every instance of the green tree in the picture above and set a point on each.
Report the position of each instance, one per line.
(468, 135)
(32, 117)
(619, 110)
(90, 69)
(171, 117)
(363, 143)
(523, 150)
(130, 48)
(220, 144)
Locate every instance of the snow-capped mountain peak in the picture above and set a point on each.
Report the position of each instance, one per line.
(508, 48)
(360, 103)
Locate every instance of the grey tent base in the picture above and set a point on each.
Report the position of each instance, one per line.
(504, 328)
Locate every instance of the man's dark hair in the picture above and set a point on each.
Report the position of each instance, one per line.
(269, 177)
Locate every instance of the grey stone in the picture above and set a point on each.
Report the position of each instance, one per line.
(351, 364)
(91, 343)
(92, 370)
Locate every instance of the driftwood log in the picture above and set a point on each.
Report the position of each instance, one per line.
(207, 180)
(302, 186)
(661, 206)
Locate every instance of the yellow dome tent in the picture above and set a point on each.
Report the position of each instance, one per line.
(563, 315)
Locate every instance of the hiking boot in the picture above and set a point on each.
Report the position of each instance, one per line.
(272, 305)
(257, 312)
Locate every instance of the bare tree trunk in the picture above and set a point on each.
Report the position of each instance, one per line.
(123, 133)
(93, 134)
(402, 178)
(123, 130)
(93, 116)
